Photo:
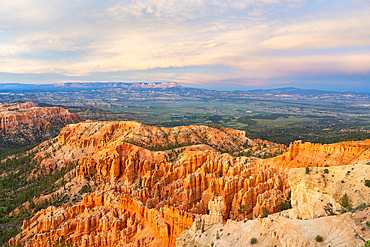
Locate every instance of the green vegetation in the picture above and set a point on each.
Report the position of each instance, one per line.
(16, 152)
(319, 122)
(319, 239)
(287, 204)
(243, 210)
(323, 120)
(85, 189)
(217, 235)
(307, 170)
(62, 242)
(367, 183)
(253, 241)
(345, 203)
(342, 138)
(329, 209)
(265, 212)
(20, 186)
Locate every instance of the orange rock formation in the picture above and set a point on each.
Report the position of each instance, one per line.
(318, 155)
(147, 198)
(31, 114)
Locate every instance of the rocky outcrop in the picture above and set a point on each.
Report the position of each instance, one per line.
(109, 217)
(150, 183)
(279, 231)
(27, 123)
(17, 107)
(215, 208)
(30, 113)
(319, 155)
(152, 137)
(312, 191)
(214, 217)
(268, 143)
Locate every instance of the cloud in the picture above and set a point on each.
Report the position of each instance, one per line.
(253, 40)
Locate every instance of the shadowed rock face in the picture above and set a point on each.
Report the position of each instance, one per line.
(28, 123)
(149, 183)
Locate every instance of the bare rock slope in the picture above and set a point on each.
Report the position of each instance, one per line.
(149, 184)
(28, 123)
(310, 193)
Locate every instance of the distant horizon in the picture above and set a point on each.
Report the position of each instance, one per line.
(195, 86)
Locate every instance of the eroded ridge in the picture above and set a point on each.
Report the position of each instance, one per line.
(148, 184)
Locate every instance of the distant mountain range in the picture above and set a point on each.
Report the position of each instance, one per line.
(299, 91)
(87, 85)
(160, 85)
(170, 91)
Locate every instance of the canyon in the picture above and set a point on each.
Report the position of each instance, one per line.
(149, 184)
(27, 123)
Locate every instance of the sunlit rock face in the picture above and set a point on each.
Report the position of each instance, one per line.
(313, 191)
(318, 155)
(307, 219)
(28, 123)
(150, 183)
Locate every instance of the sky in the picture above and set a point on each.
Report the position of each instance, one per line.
(214, 44)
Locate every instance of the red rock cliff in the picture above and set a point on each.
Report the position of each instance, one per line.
(31, 114)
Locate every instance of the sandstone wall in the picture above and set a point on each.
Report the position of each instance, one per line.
(31, 114)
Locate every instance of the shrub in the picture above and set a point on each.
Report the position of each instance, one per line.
(265, 212)
(85, 189)
(318, 238)
(307, 170)
(329, 209)
(243, 210)
(368, 223)
(285, 205)
(367, 183)
(202, 228)
(345, 202)
(253, 241)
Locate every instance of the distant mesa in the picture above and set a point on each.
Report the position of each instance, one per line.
(90, 85)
